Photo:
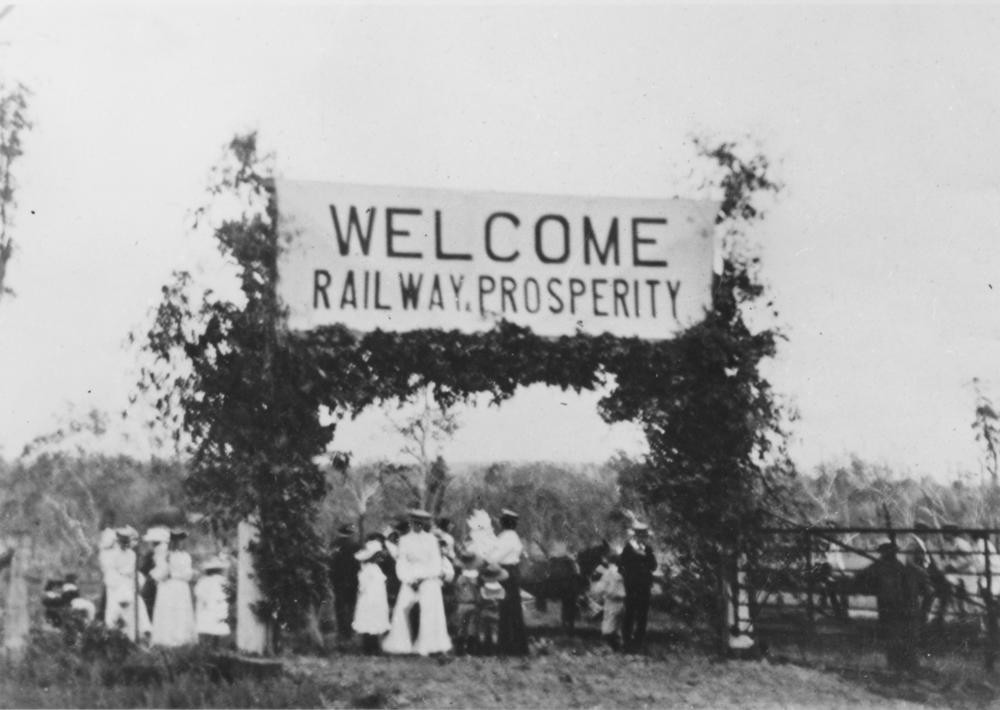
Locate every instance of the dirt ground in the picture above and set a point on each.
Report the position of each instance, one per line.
(679, 671)
(565, 680)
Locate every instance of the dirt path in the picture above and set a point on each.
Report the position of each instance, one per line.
(565, 680)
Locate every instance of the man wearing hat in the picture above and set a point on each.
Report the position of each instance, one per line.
(419, 568)
(637, 564)
(344, 570)
(899, 590)
(512, 634)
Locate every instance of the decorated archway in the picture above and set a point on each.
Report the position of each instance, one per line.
(249, 399)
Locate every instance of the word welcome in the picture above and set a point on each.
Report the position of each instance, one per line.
(552, 242)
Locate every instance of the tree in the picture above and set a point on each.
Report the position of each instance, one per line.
(225, 373)
(717, 463)
(986, 424)
(358, 485)
(423, 431)
(13, 124)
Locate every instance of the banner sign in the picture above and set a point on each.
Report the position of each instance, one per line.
(399, 259)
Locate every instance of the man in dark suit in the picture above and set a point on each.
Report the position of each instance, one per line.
(637, 564)
(899, 589)
(344, 579)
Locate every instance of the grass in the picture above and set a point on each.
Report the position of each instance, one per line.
(98, 671)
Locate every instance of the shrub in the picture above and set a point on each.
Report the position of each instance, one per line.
(100, 668)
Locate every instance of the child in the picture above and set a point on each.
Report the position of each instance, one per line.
(491, 594)
(211, 605)
(371, 614)
(466, 591)
(611, 588)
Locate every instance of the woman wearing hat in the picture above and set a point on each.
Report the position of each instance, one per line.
(158, 539)
(511, 633)
(121, 610)
(173, 616)
(371, 613)
(420, 570)
(211, 604)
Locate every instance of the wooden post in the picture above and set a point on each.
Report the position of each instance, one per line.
(17, 621)
(810, 607)
(991, 608)
(251, 632)
(725, 603)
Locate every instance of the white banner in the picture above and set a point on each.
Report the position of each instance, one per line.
(405, 258)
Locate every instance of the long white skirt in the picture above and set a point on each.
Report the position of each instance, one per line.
(173, 614)
(121, 611)
(433, 634)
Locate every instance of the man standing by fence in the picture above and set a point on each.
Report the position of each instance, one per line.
(899, 590)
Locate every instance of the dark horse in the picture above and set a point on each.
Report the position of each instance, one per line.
(563, 579)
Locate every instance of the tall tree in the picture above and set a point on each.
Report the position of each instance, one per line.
(717, 463)
(986, 424)
(224, 372)
(13, 125)
(423, 431)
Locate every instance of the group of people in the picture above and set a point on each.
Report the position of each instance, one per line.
(623, 583)
(412, 591)
(149, 596)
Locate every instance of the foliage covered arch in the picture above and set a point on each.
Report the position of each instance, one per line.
(250, 393)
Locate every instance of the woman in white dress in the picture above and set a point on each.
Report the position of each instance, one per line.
(121, 610)
(173, 615)
(371, 614)
(420, 572)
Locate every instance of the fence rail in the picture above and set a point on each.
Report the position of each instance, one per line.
(803, 575)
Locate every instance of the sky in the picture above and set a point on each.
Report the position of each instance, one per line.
(881, 122)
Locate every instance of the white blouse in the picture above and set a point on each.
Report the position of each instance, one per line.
(508, 548)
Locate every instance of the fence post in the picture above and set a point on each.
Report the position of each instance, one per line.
(810, 607)
(991, 611)
(17, 621)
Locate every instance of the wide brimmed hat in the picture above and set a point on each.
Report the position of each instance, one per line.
(640, 527)
(508, 513)
(214, 562)
(494, 573)
(371, 548)
(419, 514)
(127, 532)
(157, 533)
(493, 590)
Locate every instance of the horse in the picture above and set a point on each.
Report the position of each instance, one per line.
(564, 579)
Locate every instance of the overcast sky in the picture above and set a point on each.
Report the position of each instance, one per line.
(881, 254)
